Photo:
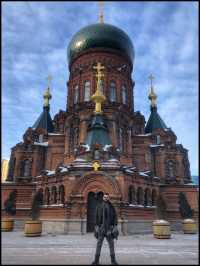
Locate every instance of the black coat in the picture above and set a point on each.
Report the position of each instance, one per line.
(112, 219)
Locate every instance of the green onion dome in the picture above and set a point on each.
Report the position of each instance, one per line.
(100, 35)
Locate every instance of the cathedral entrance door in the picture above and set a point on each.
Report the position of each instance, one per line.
(93, 200)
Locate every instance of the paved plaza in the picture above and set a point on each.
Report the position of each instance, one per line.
(51, 249)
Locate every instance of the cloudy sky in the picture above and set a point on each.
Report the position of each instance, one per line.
(35, 36)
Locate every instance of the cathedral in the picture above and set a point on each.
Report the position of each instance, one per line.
(99, 144)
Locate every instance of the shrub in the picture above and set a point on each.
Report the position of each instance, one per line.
(161, 208)
(184, 207)
(36, 203)
(10, 203)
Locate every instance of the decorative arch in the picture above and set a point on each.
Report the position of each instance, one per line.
(93, 182)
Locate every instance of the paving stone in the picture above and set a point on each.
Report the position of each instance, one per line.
(80, 249)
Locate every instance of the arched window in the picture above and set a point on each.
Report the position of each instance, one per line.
(140, 196)
(112, 92)
(170, 169)
(54, 195)
(124, 95)
(158, 139)
(41, 138)
(147, 197)
(26, 168)
(76, 92)
(62, 194)
(153, 197)
(87, 91)
(47, 196)
(131, 195)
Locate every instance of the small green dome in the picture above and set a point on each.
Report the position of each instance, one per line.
(100, 35)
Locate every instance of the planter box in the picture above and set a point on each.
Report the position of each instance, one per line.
(161, 229)
(7, 224)
(33, 228)
(189, 226)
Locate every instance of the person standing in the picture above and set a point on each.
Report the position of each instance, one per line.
(105, 226)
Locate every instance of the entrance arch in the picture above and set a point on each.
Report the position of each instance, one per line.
(93, 200)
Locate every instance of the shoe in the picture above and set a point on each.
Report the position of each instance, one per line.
(113, 260)
(96, 260)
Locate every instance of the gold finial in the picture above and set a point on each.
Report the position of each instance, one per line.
(47, 96)
(101, 16)
(96, 165)
(98, 97)
(151, 77)
(49, 79)
(152, 96)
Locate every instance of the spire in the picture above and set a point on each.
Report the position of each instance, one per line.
(98, 97)
(155, 121)
(152, 96)
(101, 16)
(44, 120)
(47, 96)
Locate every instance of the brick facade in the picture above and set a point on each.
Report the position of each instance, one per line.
(134, 176)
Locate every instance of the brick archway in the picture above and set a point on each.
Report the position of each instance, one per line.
(95, 183)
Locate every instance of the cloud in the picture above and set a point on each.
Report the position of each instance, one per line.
(35, 36)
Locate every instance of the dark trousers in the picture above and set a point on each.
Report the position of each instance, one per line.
(100, 242)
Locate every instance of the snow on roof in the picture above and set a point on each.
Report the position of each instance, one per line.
(156, 145)
(129, 171)
(105, 148)
(64, 169)
(50, 172)
(41, 143)
(142, 174)
(113, 160)
(52, 134)
(86, 146)
(79, 160)
(144, 135)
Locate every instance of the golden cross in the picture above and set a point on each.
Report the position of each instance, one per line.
(99, 75)
(101, 17)
(96, 166)
(151, 77)
(99, 67)
(49, 79)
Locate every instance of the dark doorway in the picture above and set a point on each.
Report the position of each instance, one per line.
(93, 200)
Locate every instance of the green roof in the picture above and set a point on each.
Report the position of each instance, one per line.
(44, 121)
(154, 122)
(100, 35)
(97, 131)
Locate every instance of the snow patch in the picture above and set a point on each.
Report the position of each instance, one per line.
(106, 147)
(142, 174)
(157, 145)
(52, 134)
(50, 172)
(86, 146)
(144, 135)
(45, 144)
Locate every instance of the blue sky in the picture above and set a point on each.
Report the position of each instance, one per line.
(35, 36)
